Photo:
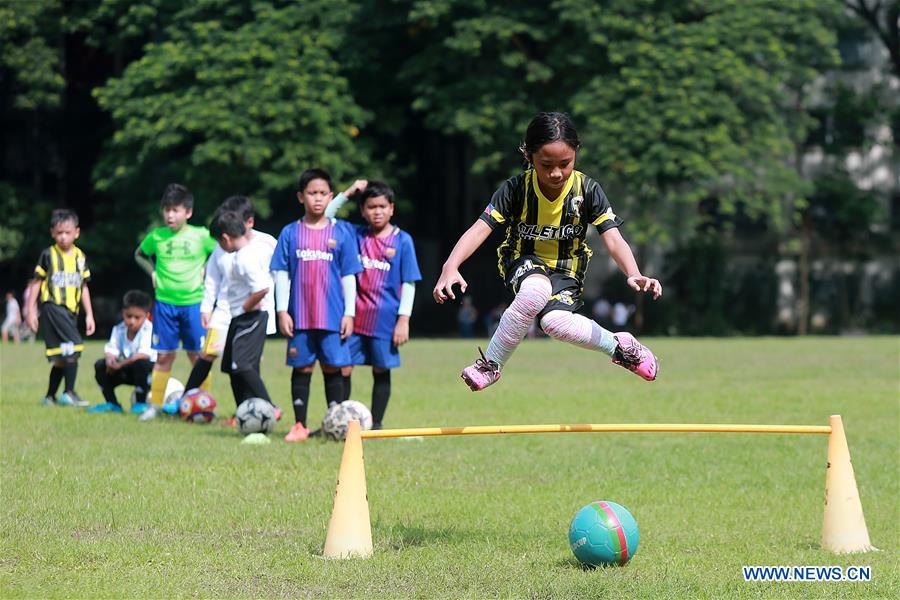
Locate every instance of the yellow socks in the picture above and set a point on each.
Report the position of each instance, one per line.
(207, 383)
(158, 382)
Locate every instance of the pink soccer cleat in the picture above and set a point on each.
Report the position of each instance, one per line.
(298, 433)
(482, 374)
(635, 356)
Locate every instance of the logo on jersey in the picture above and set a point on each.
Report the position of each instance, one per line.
(65, 278)
(374, 263)
(550, 232)
(332, 243)
(308, 254)
(79, 263)
(574, 206)
(565, 297)
(390, 252)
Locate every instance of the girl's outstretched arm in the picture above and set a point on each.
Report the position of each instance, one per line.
(619, 249)
(470, 241)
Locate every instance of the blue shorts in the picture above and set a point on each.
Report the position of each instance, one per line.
(310, 345)
(172, 323)
(373, 351)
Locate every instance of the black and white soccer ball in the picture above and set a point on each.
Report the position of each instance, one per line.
(338, 418)
(255, 415)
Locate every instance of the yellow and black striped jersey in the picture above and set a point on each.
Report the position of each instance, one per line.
(551, 229)
(62, 276)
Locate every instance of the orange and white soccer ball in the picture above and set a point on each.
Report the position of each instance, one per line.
(197, 406)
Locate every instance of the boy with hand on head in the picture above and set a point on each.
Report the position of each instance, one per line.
(60, 280)
(215, 314)
(386, 289)
(315, 265)
(179, 252)
(129, 356)
(249, 298)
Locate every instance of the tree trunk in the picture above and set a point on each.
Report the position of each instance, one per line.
(803, 264)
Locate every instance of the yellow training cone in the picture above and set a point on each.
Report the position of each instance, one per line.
(844, 529)
(349, 531)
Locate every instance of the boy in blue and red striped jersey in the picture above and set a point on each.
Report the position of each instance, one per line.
(315, 265)
(385, 292)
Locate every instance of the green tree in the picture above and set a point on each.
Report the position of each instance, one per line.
(234, 98)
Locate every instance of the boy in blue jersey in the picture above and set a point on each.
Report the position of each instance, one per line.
(385, 293)
(314, 264)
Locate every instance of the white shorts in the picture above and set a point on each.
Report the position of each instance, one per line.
(10, 325)
(216, 333)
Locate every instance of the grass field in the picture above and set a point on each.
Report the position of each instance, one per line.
(105, 506)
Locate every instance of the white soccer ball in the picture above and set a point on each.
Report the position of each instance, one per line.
(255, 415)
(174, 391)
(338, 418)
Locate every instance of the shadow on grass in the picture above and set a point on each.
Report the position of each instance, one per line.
(573, 563)
(401, 536)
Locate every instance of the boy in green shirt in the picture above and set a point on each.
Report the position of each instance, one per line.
(174, 256)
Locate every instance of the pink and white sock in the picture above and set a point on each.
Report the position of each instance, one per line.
(529, 301)
(578, 330)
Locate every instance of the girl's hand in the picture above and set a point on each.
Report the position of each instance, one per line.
(89, 326)
(444, 287)
(32, 320)
(639, 283)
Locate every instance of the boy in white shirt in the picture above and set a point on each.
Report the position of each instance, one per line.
(249, 293)
(214, 311)
(129, 356)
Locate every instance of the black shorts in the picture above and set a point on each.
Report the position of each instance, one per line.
(566, 290)
(60, 328)
(244, 342)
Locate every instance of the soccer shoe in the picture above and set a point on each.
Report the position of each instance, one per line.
(48, 401)
(138, 408)
(482, 374)
(635, 356)
(65, 399)
(149, 414)
(78, 401)
(171, 408)
(229, 422)
(298, 433)
(107, 407)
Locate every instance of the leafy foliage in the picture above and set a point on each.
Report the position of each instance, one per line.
(235, 98)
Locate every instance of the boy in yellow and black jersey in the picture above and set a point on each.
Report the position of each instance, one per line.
(60, 286)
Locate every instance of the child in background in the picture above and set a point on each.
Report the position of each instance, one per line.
(12, 319)
(249, 298)
(214, 310)
(129, 356)
(60, 282)
(178, 252)
(386, 289)
(315, 264)
(546, 211)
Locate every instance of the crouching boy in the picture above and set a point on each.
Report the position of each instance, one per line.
(129, 356)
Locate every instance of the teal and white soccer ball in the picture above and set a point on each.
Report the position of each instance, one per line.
(603, 533)
(338, 418)
(255, 415)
